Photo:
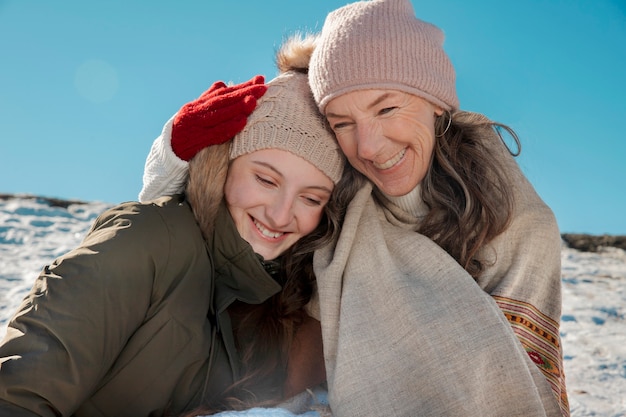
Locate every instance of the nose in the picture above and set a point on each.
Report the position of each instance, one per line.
(280, 211)
(369, 140)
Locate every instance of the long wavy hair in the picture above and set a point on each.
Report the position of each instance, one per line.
(265, 332)
(466, 188)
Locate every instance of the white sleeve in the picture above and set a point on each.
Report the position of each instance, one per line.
(164, 172)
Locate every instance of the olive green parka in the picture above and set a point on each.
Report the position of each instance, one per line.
(133, 322)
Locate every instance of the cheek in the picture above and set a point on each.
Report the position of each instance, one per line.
(231, 196)
(309, 220)
(422, 137)
(427, 124)
(236, 210)
(229, 187)
(239, 190)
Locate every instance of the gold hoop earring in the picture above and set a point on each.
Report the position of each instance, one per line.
(448, 126)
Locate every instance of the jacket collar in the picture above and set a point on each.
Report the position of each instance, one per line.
(239, 273)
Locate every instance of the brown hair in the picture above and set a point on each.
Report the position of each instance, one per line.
(465, 188)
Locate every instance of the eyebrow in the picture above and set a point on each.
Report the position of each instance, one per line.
(273, 168)
(376, 102)
(379, 100)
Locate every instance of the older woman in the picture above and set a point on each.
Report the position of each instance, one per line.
(387, 88)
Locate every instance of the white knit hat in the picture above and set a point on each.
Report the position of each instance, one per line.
(286, 118)
(380, 44)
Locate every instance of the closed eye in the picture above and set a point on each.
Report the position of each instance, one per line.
(265, 181)
(312, 201)
(386, 110)
(340, 125)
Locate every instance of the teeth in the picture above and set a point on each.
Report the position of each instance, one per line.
(391, 162)
(266, 232)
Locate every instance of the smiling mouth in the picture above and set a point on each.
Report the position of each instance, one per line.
(266, 232)
(391, 162)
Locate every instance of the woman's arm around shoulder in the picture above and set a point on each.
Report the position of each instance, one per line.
(164, 172)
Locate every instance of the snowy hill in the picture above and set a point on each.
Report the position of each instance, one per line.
(35, 230)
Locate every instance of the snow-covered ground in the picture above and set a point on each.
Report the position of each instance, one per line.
(32, 233)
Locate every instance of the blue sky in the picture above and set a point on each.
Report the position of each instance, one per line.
(86, 86)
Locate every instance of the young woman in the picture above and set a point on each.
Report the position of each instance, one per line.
(194, 300)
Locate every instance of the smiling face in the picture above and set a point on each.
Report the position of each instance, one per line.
(275, 198)
(387, 135)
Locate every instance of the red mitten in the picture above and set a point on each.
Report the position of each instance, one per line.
(215, 117)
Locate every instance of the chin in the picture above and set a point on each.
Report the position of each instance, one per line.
(266, 256)
(393, 191)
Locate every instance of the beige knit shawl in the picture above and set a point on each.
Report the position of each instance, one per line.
(408, 332)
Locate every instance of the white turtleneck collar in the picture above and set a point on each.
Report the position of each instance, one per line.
(410, 203)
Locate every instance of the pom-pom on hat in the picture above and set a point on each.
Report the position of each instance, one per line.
(286, 118)
(380, 44)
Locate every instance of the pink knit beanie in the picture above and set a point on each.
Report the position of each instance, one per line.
(380, 44)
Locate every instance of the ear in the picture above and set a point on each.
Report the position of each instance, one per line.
(438, 111)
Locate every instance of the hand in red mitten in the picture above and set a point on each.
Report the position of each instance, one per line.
(215, 117)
